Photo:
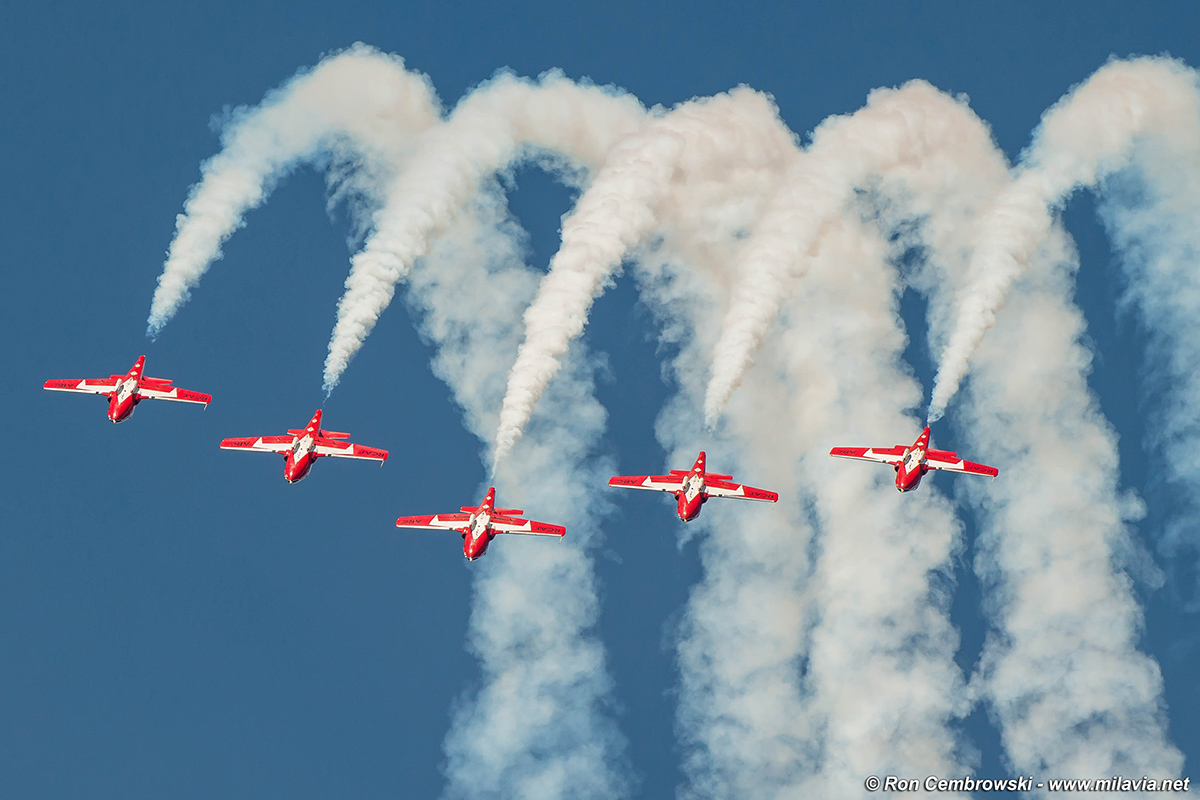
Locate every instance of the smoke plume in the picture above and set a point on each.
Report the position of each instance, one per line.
(359, 105)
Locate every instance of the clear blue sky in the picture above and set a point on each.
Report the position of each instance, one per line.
(176, 621)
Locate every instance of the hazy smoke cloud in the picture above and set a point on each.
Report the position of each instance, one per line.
(1151, 211)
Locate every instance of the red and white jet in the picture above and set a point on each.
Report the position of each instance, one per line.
(478, 525)
(693, 487)
(912, 462)
(126, 391)
(301, 448)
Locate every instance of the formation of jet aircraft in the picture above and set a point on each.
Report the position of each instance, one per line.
(912, 462)
(301, 447)
(692, 488)
(478, 525)
(124, 392)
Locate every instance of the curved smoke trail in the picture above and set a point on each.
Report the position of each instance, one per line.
(359, 105)
(539, 727)
(1087, 135)
(798, 675)
(897, 130)
(846, 591)
(700, 140)
(1062, 670)
(501, 121)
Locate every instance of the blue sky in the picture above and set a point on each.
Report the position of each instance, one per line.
(176, 620)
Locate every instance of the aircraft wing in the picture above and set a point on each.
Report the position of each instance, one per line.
(437, 522)
(260, 444)
(653, 483)
(86, 386)
(502, 524)
(336, 449)
(935, 459)
(174, 393)
(718, 488)
(882, 455)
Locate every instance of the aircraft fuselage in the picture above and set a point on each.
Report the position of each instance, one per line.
(122, 400)
(912, 467)
(689, 499)
(477, 535)
(299, 460)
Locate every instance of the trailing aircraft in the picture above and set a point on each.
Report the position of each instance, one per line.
(478, 525)
(692, 488)
(301, 447)
(912, 462)
(124, 392)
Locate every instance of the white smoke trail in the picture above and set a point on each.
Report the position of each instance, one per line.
(538, 728)
(358, 104)
(898, 129)
(1062, 671)
(1151, 213)
(1088, 134)
(735, 132)
(503, 120)
(1054, 518)
(798, 679)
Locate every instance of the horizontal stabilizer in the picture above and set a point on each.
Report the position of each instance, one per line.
(334, 434)
(468, 509)
(514, 511)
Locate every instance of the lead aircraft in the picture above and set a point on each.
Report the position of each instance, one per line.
(912, 462)
(478, 525)
(693, 487)
(302, 447)
(126, 391)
